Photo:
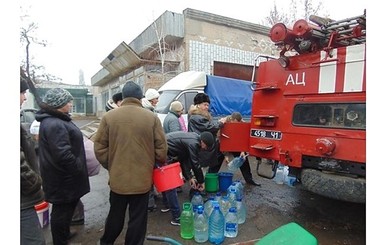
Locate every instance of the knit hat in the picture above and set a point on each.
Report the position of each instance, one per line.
(132, 89)
(110, 105)
(201, 98)
(23, 85)
(117, 97)
(176, 106)
(151, 94)
(208, 139)
(57, 98)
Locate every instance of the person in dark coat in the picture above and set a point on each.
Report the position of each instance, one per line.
(200, 120)
(184, 147)
(62, 161)
(31, 192)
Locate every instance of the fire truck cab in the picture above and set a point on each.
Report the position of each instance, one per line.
(309, 108)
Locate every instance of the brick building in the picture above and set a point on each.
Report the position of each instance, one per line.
(194, 40)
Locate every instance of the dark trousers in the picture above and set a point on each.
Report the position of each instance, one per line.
(137, 218)
(30, 231)
(170, 200)
(61, 216)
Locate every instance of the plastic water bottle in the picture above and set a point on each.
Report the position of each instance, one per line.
(196, 200)
(232, 197)
(279, 175)
(208, 206)
(225, 205)
(241, 211)
(235, 164)
(201, 226)
(240, 188)
(187, 221)
(231, 223)
(218, 196)
(216, 226)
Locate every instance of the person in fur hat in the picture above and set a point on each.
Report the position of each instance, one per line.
(200, 120)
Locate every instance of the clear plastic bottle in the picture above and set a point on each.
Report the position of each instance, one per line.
(240, 188)
(231, 223)
(208, 206)
(225, 205)
(279, 175)
(232, 197)
(187, 221)
(201, 226)
(235, 164)
(241, 211)
(218, 196)
(216, 226)
(196, 200)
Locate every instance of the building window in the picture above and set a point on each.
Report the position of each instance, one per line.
(78, 105)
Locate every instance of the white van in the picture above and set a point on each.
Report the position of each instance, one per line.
(226, 94)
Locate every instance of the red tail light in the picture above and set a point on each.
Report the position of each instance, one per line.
(264, 120)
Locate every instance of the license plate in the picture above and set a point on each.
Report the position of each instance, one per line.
(267, 134)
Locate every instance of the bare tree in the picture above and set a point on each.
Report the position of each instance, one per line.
(309, 7)
(27, 38)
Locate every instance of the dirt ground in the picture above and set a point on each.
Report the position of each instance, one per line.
(268, 208)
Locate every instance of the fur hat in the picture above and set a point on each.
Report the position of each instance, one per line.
(201, 98)
(23, 85)
(57, 98)
(151, 94)
(133, 90)
(208, 139)
(176, 106)
(117, 97)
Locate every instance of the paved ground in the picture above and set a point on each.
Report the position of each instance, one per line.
(268, 207)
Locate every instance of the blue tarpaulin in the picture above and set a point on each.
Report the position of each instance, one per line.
(228, 95)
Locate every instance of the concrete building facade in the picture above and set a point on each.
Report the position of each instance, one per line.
(175, 43)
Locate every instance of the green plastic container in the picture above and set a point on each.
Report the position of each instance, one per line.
(211, 182)
(187, 221)
(289, 234)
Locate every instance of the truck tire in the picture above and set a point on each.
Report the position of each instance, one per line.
(334, 186)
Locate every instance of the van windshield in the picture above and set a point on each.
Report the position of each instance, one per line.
(165, 98)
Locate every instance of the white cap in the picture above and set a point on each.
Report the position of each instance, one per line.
(151, 94)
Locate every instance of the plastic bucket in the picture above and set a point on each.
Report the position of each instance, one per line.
(225, 180)
(168, 177)
(211, 182)
(42, 210)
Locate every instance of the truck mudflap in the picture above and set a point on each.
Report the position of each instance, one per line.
(335, 186)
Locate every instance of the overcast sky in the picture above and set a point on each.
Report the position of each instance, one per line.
(82, 33)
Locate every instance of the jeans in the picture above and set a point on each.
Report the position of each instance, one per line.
(30, 231)
(61, 216)
(137, 220)
(170, 200)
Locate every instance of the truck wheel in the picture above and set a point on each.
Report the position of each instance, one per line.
(334, 186)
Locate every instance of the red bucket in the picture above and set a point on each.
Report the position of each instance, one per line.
(168, 177)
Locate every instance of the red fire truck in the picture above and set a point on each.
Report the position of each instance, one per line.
(309, 108)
